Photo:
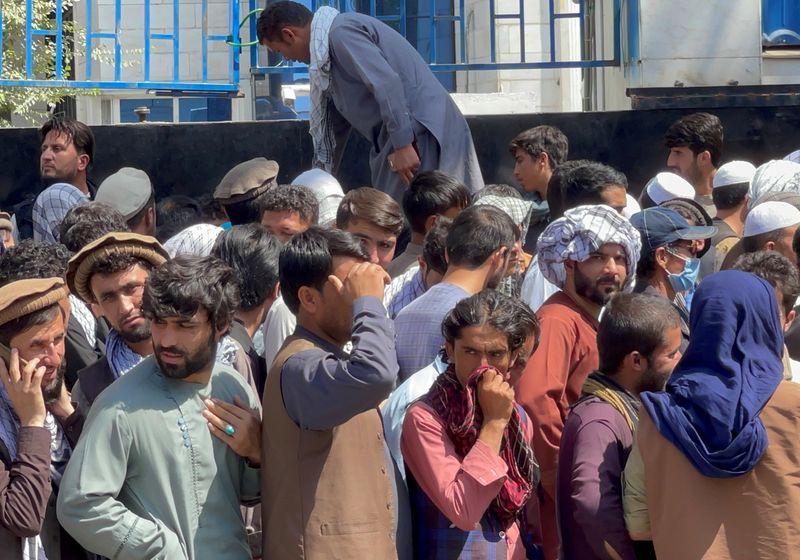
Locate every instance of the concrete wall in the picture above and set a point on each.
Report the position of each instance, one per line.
(192, 158)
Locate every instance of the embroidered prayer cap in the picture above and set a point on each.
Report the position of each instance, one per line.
(247, 180)
(775, 180)
(80, 265)
(666, 186)
(128, 191)
(733, 173)
(770, 216)
(581, 232)
(794, 156)
(5, 221)
(24, 297)
(197, 240)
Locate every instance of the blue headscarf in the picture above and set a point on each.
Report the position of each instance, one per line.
(730, 370)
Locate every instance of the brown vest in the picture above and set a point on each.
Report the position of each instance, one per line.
(325, 494)
(753, 516)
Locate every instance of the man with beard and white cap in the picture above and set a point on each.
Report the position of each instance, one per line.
(730, 186)
(775, 180)
(110, 273)
(663, 187)
(130, 192)
(590, 253)
(35, 442)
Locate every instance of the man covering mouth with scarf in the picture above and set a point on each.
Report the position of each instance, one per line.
(470, 469)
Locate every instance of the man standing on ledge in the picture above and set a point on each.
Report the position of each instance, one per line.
(366, 76)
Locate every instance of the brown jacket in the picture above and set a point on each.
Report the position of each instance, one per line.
(325, 494)
(753, 516)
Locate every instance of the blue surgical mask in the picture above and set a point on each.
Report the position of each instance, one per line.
(685, 281)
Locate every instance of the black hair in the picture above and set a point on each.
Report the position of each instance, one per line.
(278, 15)
(795, 245)
(182, 286)
(699, 132)
(633, 323)
(777, 270)
(252, 252)
(175, 213)
(212, 208)
(729, 196)
(307, 260)
(245, 211)
(435, 244)
(431, 193)
(89, 222)
(580, 182)
(78, 133)
(493, 308)
(137, 218)
(21, 324)
(501, 190)
(370, 205)
(291, 198)
(33, 259)
(755, 243)
(478, 232)
(544, 138)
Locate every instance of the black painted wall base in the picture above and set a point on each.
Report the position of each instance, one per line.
(192, 158)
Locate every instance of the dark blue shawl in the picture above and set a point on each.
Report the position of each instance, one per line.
(730, 370)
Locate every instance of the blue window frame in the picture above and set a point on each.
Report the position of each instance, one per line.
(780, 22)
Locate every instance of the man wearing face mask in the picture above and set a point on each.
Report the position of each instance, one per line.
(670, 261)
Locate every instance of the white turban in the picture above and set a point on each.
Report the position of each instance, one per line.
(581, 232)
(775, 180)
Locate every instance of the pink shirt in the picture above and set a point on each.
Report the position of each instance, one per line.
(462, 489)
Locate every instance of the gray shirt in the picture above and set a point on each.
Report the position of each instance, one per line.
(149, 480)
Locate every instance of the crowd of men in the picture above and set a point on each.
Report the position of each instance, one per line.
(427, 368)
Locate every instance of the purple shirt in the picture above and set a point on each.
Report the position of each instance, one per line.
(594, 448)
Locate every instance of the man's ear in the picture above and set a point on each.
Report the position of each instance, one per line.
(288, 36)
(790, 317)
(450, 350)
(635, 361)
(661, 257)
(83, 162)
(308, 298)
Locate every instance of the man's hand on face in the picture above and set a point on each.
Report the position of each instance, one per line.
(24, 388)
(364, 279)
(405, 162)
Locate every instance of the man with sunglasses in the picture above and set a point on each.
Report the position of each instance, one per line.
(670, 259)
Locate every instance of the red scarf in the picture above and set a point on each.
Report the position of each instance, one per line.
(458, 407)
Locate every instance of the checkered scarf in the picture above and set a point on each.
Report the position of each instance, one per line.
(51, 206)
(458, 407)
(319, 72)
(197, 240)
(517, 209)
(581, 232)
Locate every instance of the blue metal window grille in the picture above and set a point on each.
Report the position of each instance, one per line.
(444, 42)
(56, 34)
(457, 20)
